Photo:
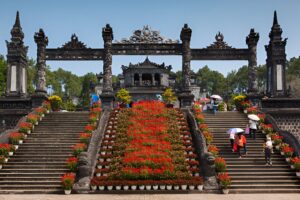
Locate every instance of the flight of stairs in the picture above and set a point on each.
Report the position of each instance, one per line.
(249, 173)
(40, 161)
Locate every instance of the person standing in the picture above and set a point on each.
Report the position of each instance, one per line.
(268, 146)
(253, 128)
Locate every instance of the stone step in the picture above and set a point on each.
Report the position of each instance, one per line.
(252, 166)
(30, 182)
(265, 169)
(13, 171)
(274, 181)
(34, 166)
(30, 186)
(37, 174)
(45, 151)
(53, 154)
(262, 178)
(263, 190)
(30, 178)
(32, 191)
(262, 173)
(266, 186)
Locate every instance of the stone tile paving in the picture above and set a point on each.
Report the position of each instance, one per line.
(154, 197)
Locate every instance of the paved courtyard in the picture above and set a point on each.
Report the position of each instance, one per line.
(155, 197)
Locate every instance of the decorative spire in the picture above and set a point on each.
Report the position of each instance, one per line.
(16, 32)
(275, 21)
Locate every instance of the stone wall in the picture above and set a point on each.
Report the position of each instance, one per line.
(289, 122)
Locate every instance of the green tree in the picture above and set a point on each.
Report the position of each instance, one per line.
(85, 92)
(3, 68)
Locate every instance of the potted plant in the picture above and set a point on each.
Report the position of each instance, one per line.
(288, 152)
(67, 181)
(169, 97)
(85, 137)
(297, 168)
(15, 138)
(94, 183)
(220, 164)
(2, 160)
(47, 106)
(213, 149)
(4, 149)
(55, 102)
(78, 148)
(123, 97)
(72, 163)
(32, 118)
(225, 182)
(25, 127)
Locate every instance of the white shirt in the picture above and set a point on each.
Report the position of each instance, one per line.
(269, 144)
(231, 136)
(252, 124)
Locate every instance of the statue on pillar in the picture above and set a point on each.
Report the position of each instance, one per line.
(251, 41)
(42, 41)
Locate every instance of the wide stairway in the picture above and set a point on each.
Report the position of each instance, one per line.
(249, 173)
(40, 161)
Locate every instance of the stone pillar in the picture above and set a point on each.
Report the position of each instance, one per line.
(251, 41)
(16, 85)
(153, 79)
(141, 79)
(41, 92)
(107, 95)
(132, 80)
(276, 62)
(185, 96)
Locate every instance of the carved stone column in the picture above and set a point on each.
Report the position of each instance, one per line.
(42, 41)
(185, 96)
(107, 95)
(251, 41)
(40, 93)
(16, 84)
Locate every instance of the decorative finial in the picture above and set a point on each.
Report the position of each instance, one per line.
(275, 21)
(17, 22)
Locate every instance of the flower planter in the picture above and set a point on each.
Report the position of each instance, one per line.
(176, 187)
(282, 153)
(48, 111)
(101, 159)
(109, 187)
(10, 153)
(288, 159)
(99, 166)
(67, 192)
(118, 187)
(169, 187)
(196, 174)
(0, 166)
(292, 167)
(162, 187)
(125, 187)
(36, 123)
(94, 187)
(184, 187)
(6, 160)
(191, 187)
(29, 131)
(200, 187)
(16, 146)
(245, 111)
(141, 187)
(155, 187)
(98, 174)
(277, 147)
(148, 187)
(133, 187)
(298, 174)
(225, 191)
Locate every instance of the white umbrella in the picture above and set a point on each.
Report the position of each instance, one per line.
(253, 117)
(215, 96)
(235, 130)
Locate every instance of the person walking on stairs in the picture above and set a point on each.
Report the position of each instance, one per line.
(231, 139)
(239, 143)
(243, 138)
(268, 151)
(253, 128)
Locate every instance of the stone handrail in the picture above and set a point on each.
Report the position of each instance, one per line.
(88, 160)
(206, 158)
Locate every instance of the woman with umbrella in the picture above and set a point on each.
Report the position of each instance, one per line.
(214, 103)
(253, 125)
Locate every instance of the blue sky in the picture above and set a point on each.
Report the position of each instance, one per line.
(234, 18)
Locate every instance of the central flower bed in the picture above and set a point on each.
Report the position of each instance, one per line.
(147, 145)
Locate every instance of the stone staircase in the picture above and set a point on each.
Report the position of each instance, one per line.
(40, 161)
(249, 174)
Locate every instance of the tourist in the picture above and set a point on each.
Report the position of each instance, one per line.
(94, 98)
(243, 138)
(268, 151)
(253, 128)
(239, 144)
(214, 105)
(231, 139)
